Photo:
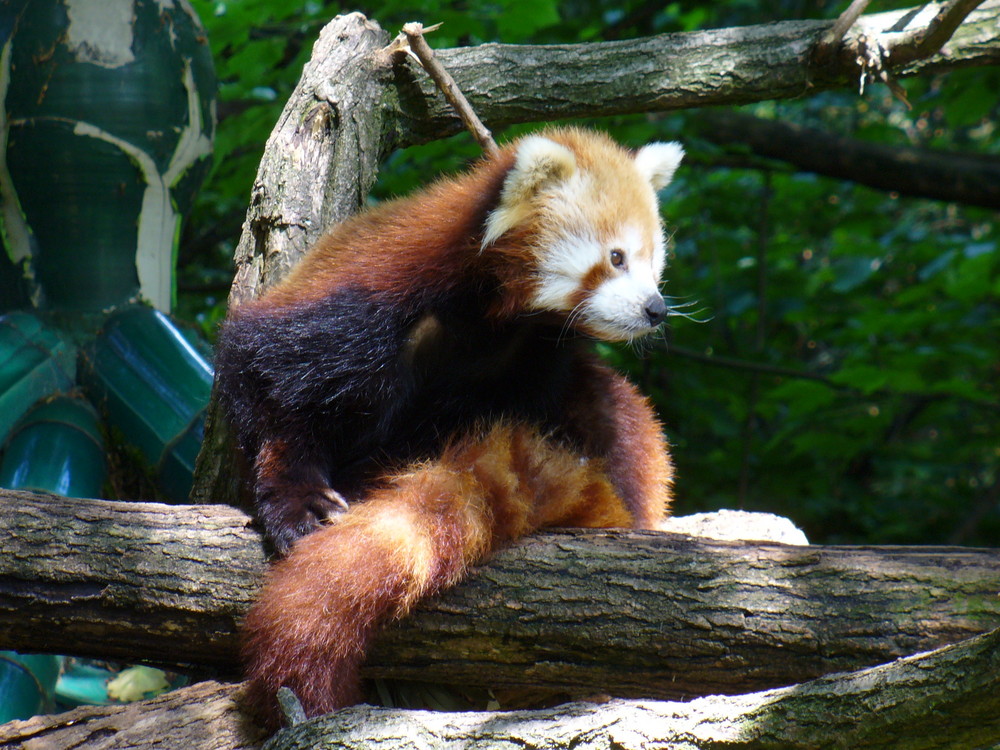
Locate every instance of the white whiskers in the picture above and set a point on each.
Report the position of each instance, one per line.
(680, 310)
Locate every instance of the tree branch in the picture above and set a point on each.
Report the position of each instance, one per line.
(831, 40)
(973, 179)
(169, 584)
(412, 39)
(893, 705)
(890, 706)
(522, 83)
(923, 42)
(205, 716)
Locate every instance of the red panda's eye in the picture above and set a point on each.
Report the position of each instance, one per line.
(617, 258)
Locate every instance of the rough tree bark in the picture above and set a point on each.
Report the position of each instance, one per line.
(897, 705)
(508, 83)
(206, 716)
(675, 615)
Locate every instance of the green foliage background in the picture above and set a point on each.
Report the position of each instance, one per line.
(856, 332)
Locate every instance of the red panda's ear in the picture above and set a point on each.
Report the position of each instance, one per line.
(657, 162)
(539, 163)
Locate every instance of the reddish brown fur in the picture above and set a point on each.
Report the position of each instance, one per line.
(612, 418)
(416, 533)
(408, 236)
(322, 604)
(413, 243)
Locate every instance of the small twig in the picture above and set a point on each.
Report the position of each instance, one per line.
(743, 364)
(828, 43)
(411, 40)
(873, 59)
(873, 56)
(933, 37)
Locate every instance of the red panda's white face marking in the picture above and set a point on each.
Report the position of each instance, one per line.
(596, 240)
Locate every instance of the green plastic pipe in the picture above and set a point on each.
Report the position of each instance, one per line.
(153, 386)
(35, 360)
(27, 684)
(57, 447)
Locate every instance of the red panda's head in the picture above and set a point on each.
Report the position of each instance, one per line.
(585, 212)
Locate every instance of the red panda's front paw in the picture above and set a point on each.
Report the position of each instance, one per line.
(298, 511)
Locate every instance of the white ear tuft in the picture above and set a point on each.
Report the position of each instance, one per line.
(657, 162)
(540, 162)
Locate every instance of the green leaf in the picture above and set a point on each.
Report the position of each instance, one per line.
(865, 378)
(852, 273)
(521, 18)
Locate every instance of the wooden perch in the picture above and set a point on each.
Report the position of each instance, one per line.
(621, 612)
(524, 83)
(897, 705)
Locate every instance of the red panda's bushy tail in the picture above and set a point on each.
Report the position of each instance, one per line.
(321, 606)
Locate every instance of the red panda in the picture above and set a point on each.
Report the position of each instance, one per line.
(420, 391)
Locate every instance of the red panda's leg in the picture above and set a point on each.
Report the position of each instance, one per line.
(293, 494)
(612, 420)
(322, 604)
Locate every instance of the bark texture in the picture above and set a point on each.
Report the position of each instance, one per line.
(205, 716)
(627, 613)
(676, 616)
(508, 83)
(947, 699)
(129, 581)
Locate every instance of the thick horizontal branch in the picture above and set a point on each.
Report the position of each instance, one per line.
(973, 179)
(508, 83)
(902, 704)
(120, 580)
(621, 612)
(647, 614)
(204, 716)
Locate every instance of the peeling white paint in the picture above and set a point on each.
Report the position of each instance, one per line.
(100, 31)
(159, 220)
(153, 261)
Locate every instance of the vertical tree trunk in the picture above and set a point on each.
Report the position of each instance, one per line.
(318, 167)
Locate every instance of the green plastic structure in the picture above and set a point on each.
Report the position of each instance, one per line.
(107, 116)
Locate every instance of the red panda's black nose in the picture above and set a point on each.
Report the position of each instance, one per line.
(656, 310)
